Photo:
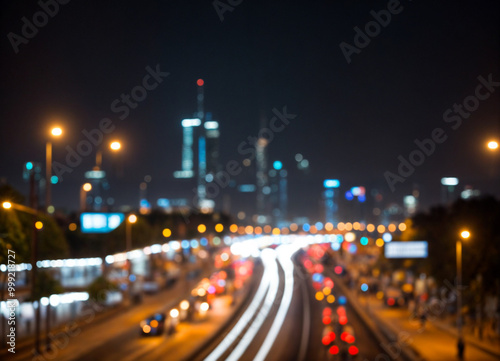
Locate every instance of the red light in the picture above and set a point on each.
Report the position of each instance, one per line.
(334, 350)
(353, 350)
(328, 282)
(325, 340)
(343, 335)
(338, 270)
(327, 311)
(341, 311)
(331, 335)
(200, 82)
(327, 320)
(318, 268)
(342, 320)
(391, 301)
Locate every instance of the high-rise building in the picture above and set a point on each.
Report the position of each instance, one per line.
(187, 170)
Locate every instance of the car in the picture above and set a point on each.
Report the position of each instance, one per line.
(153, 325)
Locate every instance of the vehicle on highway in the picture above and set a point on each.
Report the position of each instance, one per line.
(153, 325)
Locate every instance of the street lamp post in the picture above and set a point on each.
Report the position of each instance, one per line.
(114, 146)
(86, 187)
(48, 167)
(460, 344)
(132, 218)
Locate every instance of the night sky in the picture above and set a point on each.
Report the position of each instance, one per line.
(353, 120)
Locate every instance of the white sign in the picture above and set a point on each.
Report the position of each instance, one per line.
(415, 249)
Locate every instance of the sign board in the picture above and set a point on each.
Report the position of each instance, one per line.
(414, 249)
(100, 222)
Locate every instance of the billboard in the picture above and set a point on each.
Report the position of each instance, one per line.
(100, 222)
(414, 249)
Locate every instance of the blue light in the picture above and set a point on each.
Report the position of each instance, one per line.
(194, 243)
(362, 198)
(100, 222)
(352, 248)
(185, 244)
(306, 227)
(349, 196)
(335, 246)
(340, 238)
(204, 241)
(319, 226)
(342, 300)
(318, 277)
(331, 183)
(29, 166)
(363, 241)
(364, 287)
(131, 278)
(277, 165)
(54, 179)
(387, 237)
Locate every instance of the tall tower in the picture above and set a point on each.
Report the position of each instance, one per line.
(263, 189)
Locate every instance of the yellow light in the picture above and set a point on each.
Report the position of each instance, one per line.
(327, 291)
(248, 229)
(146, 329)
(380, 295)
(202, 228)
(233, 228)
(492, 145)
(56, 131)
(7, 205)
(38, 225)
(379, 242)
(370, 227)
(350, 237)
(184, 305)
(202, 292)
(362, 226)
(174, 313)
(348, 226)
(204, 307)
(166, 233)
(320, 296)
(115, 145)
(392, 227)
(132, 218)
(381, 228)
(87, 187)
(313, 229)
(465, 234)
(402, 227)
(294, 227)
(356, 226)
(258, 230)
(328, 226)
(340, 226)
(241, 230)
(219, 227)
(72, 227)
(154, 323)
(330, 299)
(276, 231)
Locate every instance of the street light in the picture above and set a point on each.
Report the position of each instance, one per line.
(492, 145)
(55, 132)
(86, 187)
(114, 146)
(132, 218)
(464, 235)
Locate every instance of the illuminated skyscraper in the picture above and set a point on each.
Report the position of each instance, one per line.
(187, 148)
